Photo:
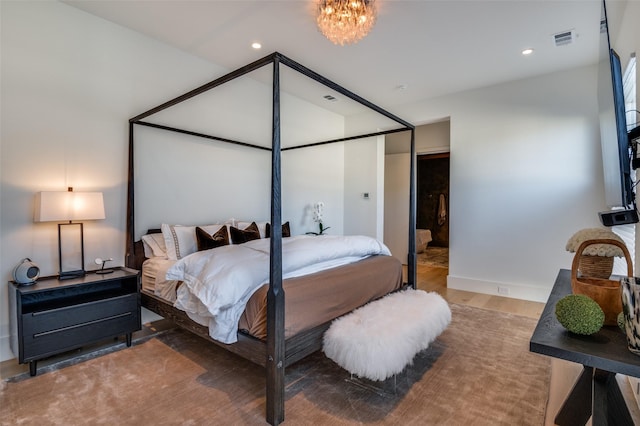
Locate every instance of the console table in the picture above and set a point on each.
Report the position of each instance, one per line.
(596, 392)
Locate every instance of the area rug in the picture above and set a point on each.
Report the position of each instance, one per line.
(434, 256)
(479, 371)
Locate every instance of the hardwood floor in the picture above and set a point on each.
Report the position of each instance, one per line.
(435, 279)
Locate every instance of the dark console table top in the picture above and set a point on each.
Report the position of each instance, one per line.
(605, 350)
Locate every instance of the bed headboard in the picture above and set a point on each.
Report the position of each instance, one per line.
(137, 259)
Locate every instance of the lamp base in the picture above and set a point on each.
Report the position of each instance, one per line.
(67, 275)
(104, 271)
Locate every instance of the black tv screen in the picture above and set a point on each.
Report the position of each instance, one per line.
(616, 150)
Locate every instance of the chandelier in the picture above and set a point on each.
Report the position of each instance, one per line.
(345, 21)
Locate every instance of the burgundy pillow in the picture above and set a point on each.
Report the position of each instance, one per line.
(206, 241)
(239, 236)
(286, 232)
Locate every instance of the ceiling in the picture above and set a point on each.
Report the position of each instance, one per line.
(417, 49)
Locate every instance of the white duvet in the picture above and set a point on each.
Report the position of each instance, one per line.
(218, 283)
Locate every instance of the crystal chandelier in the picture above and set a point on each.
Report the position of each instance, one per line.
(346, 21)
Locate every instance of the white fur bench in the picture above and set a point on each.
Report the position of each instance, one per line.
(381, 338)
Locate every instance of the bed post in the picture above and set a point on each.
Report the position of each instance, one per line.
(275, 295)
(411, 262)
(129, 257)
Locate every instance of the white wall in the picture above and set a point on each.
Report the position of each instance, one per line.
(526, 173)
(70, 82)
(396, 206)
(364, 173)
(433, 137)
(310, 175)
(224, 181)
(429, 138)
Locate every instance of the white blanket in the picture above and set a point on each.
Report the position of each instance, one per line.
(219, 282)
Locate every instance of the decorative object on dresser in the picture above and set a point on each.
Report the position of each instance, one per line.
(580, 314)
(318, 212)
(631, 312)
(63, 206)
(597, 260)
(26, 272)
(54, 316)
(605, 292)
(102, 262)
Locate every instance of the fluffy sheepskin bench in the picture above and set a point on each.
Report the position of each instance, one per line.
(381, 338)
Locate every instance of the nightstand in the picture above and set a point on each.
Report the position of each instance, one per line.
(54, 316)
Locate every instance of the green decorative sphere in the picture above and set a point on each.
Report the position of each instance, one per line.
(621, 322)
(579, 314)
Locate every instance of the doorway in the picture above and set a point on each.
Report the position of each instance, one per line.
(432, 212)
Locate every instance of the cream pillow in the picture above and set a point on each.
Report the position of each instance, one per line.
(154, 245)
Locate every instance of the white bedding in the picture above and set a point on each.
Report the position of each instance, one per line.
(219, 282)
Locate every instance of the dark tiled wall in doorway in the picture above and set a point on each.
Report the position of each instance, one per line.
(433, 197)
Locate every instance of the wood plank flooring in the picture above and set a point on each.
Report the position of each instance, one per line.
(435, 279)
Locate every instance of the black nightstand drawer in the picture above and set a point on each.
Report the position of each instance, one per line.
(51, 342)
(46, 321)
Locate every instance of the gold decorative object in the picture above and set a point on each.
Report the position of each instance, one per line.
(345, 21)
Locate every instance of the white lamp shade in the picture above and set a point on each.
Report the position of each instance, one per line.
(60, 206)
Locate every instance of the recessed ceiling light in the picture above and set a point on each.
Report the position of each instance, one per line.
(256, 45)
(527, 51)
(401, 87)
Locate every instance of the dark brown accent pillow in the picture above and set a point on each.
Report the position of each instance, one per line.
(239, 236)
(286, 232)
(206, 241)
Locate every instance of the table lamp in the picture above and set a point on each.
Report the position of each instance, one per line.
(63, 206)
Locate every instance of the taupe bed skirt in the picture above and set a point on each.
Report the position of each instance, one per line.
(317, 298)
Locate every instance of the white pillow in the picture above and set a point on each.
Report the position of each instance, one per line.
(181, 240)
(154, 245)
(262, 227)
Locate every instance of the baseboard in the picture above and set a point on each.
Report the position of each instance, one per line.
(515, 291)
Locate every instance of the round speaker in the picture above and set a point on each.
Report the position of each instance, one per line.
(26, 272)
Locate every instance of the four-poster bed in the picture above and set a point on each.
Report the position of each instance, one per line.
(278, 350)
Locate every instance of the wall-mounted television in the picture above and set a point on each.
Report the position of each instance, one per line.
(616, 147)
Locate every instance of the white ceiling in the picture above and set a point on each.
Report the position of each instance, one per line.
(432, 47)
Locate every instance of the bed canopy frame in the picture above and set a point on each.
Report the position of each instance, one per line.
(277, 352)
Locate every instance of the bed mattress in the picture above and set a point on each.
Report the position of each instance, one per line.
(310, 300)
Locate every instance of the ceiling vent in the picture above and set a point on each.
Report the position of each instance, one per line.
(564, 38)
(330, 98)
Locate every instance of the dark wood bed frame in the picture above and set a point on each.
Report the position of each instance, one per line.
(277, 352)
